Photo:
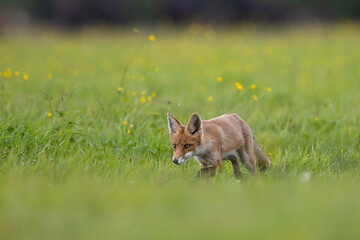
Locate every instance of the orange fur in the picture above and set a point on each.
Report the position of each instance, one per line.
(226, 137)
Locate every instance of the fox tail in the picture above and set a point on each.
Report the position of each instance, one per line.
(263, 160)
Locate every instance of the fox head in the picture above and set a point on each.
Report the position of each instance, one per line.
(184, 139)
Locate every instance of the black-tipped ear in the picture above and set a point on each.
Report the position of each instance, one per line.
(194, 126)
(173, 124)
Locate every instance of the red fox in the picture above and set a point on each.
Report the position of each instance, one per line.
(226, 137)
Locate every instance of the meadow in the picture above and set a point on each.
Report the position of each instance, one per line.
(84, 145)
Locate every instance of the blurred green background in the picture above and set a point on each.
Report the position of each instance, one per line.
(84, 145)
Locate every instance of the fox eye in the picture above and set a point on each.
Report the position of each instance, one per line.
(174, 146)
(186, 146)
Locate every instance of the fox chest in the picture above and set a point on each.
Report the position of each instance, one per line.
(205, 157)
(204, 162)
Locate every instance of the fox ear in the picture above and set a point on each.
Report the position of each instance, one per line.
(173, 124)
(194, 126)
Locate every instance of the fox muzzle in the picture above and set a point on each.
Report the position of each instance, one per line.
(176, 161)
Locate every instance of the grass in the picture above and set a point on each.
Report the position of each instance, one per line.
(70, 168)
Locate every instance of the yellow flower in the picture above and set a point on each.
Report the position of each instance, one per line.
(316, 119)
(143, 78)
(153, 94)
(26, 77)
(131, 125)
(49, 114)
(143, 92)
(133, 77)
(128, 131)
(120, 89)
(239, 86)
(220, 79)
(133, 93)
(152, 38)
(17, 73)
(50, 76)
(149, 98)
(211, 98)
(253, 86)
(254, 97)
(268, 89)
(143, 99)
(8, 73)
(269, 153)
(75, 72)
(156, 69)
(124, 122)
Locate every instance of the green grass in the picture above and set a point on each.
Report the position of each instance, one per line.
(79, 174)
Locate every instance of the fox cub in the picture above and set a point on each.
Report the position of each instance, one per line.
(226, 137)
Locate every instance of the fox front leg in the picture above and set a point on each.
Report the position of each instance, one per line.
(208, 171)
(213, 162)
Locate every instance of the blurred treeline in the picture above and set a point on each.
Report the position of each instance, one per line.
(123, 12)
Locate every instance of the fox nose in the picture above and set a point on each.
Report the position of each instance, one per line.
(175, 160)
